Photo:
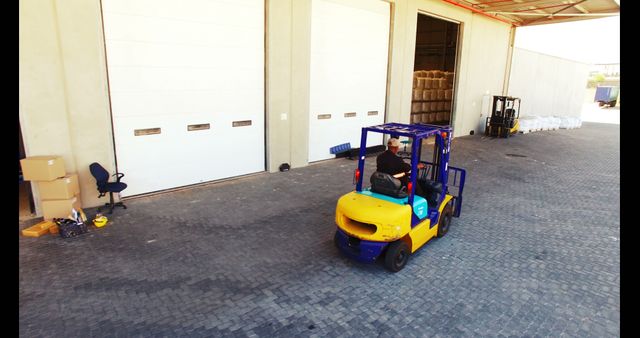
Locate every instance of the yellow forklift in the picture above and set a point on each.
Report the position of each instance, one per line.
(504, 119)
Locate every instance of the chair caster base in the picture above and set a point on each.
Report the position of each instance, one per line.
(112, 206)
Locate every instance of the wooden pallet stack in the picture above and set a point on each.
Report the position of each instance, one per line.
(432, 96)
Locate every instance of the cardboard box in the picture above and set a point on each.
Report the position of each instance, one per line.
(59, 189)
(42, 168)
(60, 208)
(38, 229)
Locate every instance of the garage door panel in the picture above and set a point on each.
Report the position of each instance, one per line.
(134, 53)
(176, 157)
(159, 30)
(342, 130)
(175, 64)
(170, 102)
(216, 12)
(137, 79)
(349, 95)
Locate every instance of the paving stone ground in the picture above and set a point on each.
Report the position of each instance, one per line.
(535, 253)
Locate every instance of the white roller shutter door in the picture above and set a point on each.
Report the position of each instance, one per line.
(349, 54)
(175, 64)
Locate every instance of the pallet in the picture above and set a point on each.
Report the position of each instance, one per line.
(38, 229)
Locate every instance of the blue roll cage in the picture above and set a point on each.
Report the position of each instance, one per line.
(418, 132)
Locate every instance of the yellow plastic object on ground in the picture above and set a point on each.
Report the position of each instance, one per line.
(38, 229)
(100, 221)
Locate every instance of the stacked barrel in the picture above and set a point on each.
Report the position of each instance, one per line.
(432, 96)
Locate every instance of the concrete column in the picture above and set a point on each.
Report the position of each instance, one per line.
(85, 73)
(507, 73)
(42, 100)
(402, 46)
(300, 81)
(278, 87)
(288, 70)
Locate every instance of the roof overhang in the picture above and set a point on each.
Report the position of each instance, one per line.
(540, 12)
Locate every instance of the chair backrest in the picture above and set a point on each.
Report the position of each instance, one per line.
(100, 174)
(386, 184)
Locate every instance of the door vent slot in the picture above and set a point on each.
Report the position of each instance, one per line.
(324, 116)
(372, 112)
(242, 123)
(203, 126)
(350, 114)
(148, 131)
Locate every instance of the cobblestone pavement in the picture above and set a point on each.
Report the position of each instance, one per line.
(535, 253)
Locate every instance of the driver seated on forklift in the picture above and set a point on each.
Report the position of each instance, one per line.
(390, 163)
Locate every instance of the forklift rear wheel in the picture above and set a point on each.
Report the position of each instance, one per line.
(445, 220)
(397, 256)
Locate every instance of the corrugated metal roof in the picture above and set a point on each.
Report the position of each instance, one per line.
(540, 12)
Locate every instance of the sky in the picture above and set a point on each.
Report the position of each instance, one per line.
(591, 41)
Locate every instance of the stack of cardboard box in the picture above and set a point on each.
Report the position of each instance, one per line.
(432, 96)
(59, 190)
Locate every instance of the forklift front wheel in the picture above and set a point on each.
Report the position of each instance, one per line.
(397, 256)
(445, 220)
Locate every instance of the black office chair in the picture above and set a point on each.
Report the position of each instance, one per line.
(104, 186)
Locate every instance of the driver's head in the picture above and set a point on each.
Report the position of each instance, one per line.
(393, 144)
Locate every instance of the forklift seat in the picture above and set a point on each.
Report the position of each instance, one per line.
(386, 184)
(432, 190)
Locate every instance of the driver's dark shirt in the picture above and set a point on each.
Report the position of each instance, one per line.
(391, 164)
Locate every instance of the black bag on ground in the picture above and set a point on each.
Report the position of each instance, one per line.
(69, 228)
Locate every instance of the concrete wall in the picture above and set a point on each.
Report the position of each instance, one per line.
(484, 49)
(547, 85)
(482, 61)
(64, 99)
(288, 67)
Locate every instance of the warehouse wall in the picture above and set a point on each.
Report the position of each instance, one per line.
(483, 51)
(63, 99)
(483, 54)
(548, 85)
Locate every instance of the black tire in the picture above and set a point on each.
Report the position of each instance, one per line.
(612, 104)
(444, 221)
(397, 256)
(600, 103)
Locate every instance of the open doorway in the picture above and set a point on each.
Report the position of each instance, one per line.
(434, 70)
(25, 196)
